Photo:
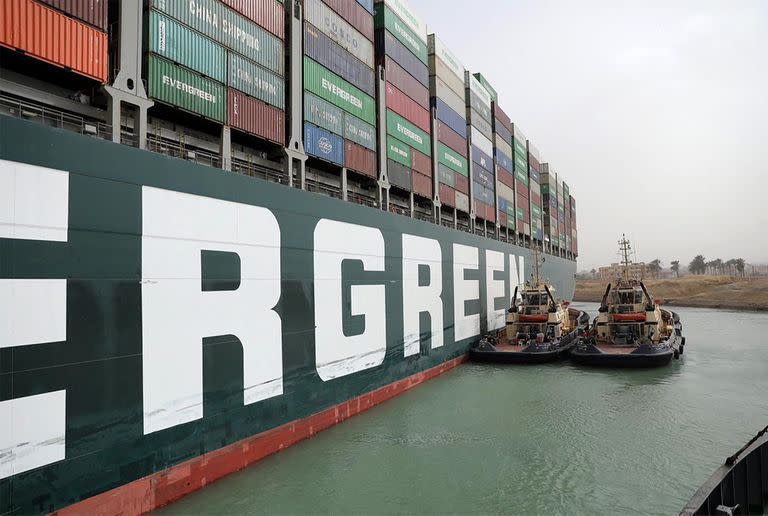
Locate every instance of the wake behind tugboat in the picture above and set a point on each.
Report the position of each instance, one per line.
(631, 330)
(539, 329)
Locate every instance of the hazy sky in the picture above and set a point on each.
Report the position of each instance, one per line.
(655, 112)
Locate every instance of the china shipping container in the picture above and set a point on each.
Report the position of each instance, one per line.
(323, 114)
(404, 106)
(253, 116)
(360, 159)
(404, 82)
(323, 144)
(248, 77)
(355, 14)
(243, 36)
(359, 132)
(269, 14)
(387, 44)
(185, 89)
(322, 49)
(339, 30)
(338, 91)
(92, 12)
(48, 35)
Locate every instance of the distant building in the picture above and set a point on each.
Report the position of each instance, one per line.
(637, 271)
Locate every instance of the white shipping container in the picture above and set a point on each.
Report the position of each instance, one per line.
(405, 13)
(450, 61)
(503, 147)
(478, 89)
(481, 142)
(440, 69)
(462, 201)
(439, 89)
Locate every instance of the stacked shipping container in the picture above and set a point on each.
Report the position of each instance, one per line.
(401, 48)
(446, 90)
(534, 188)
(522, 195)
(549, 201)
(339, 84)
(223, 64)
(71, 36)
(479, 126)
(502, 153)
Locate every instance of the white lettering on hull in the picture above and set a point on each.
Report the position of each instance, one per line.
(494, 262)
(419, 251)
(465, 258)
(177, 315)
(337, 354)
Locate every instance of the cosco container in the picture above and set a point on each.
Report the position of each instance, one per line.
(422, 185)
(270, 14)
(228, 27)
(450, 118)
(421, 163)
(502, 160)
(48, 35)
(322, 49)
(323, 114)
(462, 201)
(408, 133)
(445, 175)
(452, 159)
(451, 138)
(404, 82)
(386, 44)
(179, 44)
(359, 159)
(355, 14)
(406, 107)
(359, 132)
(398, 152)
(254, 117)
(248, 77)
(177, 86)
(399, 175)
(384, 18)
(447, 195)
(92, 12)
(323, 144)
(331, 87)
(336, 28)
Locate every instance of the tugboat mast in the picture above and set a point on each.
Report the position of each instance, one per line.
(625, 247)
(535, 273)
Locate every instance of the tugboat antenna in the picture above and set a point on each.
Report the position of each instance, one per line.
(625, 248)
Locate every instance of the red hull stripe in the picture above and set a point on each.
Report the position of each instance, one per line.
(159, 489)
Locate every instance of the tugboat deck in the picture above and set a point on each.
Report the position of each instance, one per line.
(612, 349)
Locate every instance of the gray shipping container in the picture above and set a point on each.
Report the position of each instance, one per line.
(438, 88)
(339, 30)
(481, 124)
(360, 132)
(399, 175)
(250, 78)
(446, 175)
(323, 114)
(439, 68)
(328, 53)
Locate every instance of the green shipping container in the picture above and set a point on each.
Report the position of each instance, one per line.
(250, 78)
(323, 114)
(520, 147)
(387, 19)
(234, 31)
(487, 86)
(398, 151)
(520, 214)
(186, 47)
(172, 84)
(334, 89)
(408, 133)
(452, 159)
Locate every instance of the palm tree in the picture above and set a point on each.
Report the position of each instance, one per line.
(594, 273)
(740, 264)
(698, 265)
(675, 266)
(718, 265)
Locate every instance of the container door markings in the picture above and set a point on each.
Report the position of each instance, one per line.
(420, 256)
(178, 313)
(34, 205)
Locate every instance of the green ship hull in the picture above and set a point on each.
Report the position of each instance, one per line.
(159, 311)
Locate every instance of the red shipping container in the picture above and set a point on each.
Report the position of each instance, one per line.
(520, 226)
(269, 14)
(451, 138)
(407, 108)
(53, 37)
(93, 12)
(502, 117)
(505, 177)
(503, 218)
(255, 117)
(521, 189)
(422, 185)
(359, 159)
(462, 184)
(533, 162)
(405, 82)
(536, 199)
(421, 163)
(447, 195)
(490, 213)
(355, 14)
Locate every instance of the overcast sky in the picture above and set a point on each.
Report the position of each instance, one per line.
(654, 111)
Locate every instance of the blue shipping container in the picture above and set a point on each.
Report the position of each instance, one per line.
(367, 4)
(502, 205)
(450, 117)
(534, 174)
(503, 161)
(503, 132)
(482, 159)
(483, 177)
(482, 194)
(323, 144)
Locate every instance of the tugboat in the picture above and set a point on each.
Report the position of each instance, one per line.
(539, 329)
(631, 329)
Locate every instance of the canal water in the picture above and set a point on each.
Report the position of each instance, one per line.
(550, 439)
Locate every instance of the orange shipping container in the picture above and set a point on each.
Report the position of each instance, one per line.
(49, 35)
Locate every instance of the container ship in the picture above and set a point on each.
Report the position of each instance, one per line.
(226, 225)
